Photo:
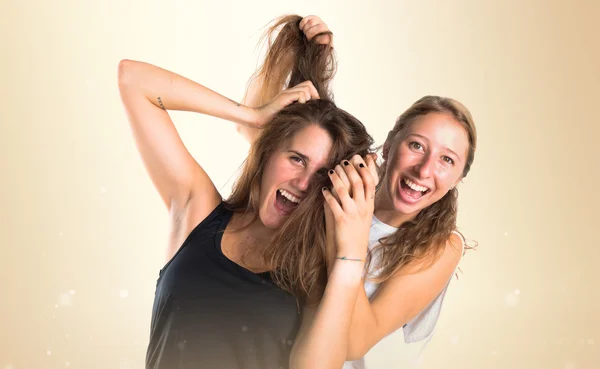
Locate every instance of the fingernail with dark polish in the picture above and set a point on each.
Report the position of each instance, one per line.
(324, 189)
(330, 171)
(361, 165)
(346, 162)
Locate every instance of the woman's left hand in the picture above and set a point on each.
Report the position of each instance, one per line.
(352, 210)
(312, 26)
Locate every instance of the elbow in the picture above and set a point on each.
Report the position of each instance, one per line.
(124, 72)
(239, 129)
(356, 350)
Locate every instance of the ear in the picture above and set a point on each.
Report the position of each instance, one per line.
(455, 184)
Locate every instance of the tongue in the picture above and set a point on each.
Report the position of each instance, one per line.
(410, 192)
(285, 204)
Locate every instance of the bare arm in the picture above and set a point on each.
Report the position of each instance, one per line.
(322, 342)
(346, 325)
(147, 92)
(399, 300)
(323, 339)
(250, 99)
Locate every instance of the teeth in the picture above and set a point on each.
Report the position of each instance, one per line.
(414, 186)
(289, 196)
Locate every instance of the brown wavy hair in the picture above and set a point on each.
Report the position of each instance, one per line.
(296, 255)
(291, 59)
(428, 233)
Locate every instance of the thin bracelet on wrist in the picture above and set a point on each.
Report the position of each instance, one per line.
(347, 258)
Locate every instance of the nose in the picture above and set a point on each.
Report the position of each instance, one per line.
(425, 167)
(302, 181)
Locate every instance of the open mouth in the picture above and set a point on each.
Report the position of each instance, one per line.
(411, 190)
(285, 202)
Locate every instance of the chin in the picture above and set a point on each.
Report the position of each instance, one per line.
(272, 221)
(405, 209)
(409, 209)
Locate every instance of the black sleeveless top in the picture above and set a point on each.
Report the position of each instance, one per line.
(210, 312)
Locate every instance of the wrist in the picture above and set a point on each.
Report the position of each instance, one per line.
(347, 272)
(250, 116)
(350, 258)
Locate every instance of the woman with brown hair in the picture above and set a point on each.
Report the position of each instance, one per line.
(216, 304)
(395, 277)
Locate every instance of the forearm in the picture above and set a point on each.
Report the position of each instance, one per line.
(170, 91)
(324, 343)
(361, 322)
(251, 99)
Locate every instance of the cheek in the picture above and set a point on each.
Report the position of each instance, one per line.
(403, 158)
(275, 173)
(267, 179)
(446, 178)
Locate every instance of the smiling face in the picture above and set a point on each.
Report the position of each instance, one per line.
(289, 171)
(423, 161)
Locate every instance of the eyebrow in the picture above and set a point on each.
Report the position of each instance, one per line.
(426, 139)
(304, 157)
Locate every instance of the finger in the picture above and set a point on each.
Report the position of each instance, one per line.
(356, 183)
(342, 174)
(306, 20)
(335, 207)
(330, 249)
(291, 96)
(371, 160)
(366, 177)
(310, 23)
(324, 38)
(343, 194)
(329, 220)
(311, 30)
(335, 194)
(301, 97)
(304, 88)
(314, 94)
(306, 92)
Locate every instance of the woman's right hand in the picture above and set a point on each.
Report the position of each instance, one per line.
(301, 93)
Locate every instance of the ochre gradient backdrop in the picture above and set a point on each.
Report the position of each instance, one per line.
(83, 232)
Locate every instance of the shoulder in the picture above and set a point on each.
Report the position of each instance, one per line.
(456, 242)
(444, 259)
(451, 252)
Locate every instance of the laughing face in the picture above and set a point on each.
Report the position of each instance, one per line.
(288, 172)
(424, 161)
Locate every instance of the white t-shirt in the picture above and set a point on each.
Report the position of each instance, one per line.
(420, 328)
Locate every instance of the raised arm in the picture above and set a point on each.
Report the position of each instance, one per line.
(147, 92)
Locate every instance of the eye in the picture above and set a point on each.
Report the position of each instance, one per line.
(448, 160)
(297, 160)
(415, 145)
(322, 172)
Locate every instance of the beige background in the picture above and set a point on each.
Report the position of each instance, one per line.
(83, 232)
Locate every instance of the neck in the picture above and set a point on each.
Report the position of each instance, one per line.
(256, 234)
(385, 212)
(245, 247)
